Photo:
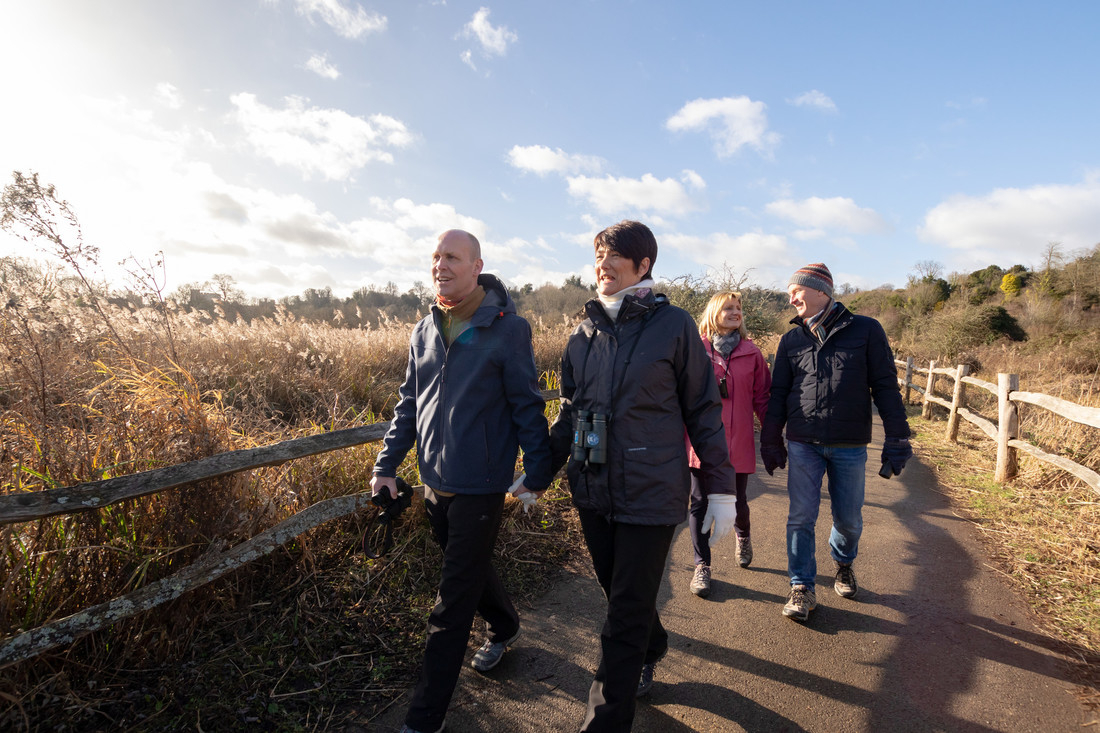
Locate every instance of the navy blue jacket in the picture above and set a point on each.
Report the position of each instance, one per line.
(823, 392)
(469, 407)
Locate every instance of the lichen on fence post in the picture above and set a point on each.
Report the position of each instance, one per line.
(1008, 427)
(909, 361)
(958, 399)
(926, 408)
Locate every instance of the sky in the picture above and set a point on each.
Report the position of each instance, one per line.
(296, 144)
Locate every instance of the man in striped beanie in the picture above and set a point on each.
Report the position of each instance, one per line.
(828, 370)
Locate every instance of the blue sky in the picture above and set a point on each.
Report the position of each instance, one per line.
(301, 144)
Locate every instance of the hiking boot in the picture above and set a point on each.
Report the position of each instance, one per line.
(801, 602)
(490, 653)
(700, 582)
(744, 551)
(645, 682)
(845, 584)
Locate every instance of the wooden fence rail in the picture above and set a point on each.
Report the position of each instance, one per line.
(1006, 431)
(32, 505)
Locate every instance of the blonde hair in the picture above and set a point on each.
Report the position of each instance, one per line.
(708, 322)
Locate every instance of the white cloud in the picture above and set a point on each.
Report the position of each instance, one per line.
(168, 95)
(691, 179)
(610, 195)
(319, 65)
(467, 57)
(732, 122)
(541, 160)
(1016, 223)
(752, 250)
(345, 21)
(494, 41)
(814, 98)
(432, 219)
(138, 187)
(835, 213)
(326, 141)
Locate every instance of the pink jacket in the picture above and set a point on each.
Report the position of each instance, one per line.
(749, 383)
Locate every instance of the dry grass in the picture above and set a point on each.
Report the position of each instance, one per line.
(1043, 527)
(311, 637)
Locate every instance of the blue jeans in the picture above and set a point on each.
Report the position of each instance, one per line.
(807, 464)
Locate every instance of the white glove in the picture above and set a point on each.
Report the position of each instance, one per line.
(721, 511)
(520, 491)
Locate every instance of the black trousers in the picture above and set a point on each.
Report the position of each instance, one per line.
(466, 528)
(700, 541)
(629, 560)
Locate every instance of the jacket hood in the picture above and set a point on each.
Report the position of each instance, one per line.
(497, 300)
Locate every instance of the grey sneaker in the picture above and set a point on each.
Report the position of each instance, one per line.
(744, 551)
(700, 582)
(490, 653)
(845, 584)
(802, 601)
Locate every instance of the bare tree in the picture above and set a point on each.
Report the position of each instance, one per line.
(33, 213)
(151, 277)
(928, 270)
(226, 288)
(1053, 258)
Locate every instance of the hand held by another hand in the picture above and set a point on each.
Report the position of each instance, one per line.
(521, 492)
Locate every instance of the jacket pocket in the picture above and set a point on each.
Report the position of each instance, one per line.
(651, 477)
(850, 354)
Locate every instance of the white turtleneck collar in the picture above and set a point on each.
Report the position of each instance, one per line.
(612, 303)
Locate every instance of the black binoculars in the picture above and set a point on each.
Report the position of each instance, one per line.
(723, 390)
(392, 508)
(590, 437)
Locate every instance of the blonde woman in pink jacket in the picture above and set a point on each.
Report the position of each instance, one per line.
(745, 385)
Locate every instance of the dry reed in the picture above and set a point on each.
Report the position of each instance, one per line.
(77, 405)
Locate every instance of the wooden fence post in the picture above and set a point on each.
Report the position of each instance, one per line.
(926, 408)
(958, 399)
(908, 379)
(1008, 427)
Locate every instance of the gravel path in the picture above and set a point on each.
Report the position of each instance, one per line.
(935, 640)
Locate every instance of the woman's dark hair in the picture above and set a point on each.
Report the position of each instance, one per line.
(631, 239)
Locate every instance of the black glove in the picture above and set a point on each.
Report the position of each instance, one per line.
(895, 451)
(774, 456)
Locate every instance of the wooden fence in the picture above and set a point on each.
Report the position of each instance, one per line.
(217, 562)
(1006, 431)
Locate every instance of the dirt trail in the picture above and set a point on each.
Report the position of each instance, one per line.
(935, 640)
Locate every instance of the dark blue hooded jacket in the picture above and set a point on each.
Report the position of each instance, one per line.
(468, 408)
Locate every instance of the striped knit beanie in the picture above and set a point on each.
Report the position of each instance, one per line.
(815, 275)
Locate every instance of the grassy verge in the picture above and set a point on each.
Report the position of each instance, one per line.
(1041, 530)
(317, 637)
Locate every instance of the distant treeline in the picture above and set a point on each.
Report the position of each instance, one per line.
(938, 313)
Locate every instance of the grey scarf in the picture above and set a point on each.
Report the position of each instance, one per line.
(725, 345)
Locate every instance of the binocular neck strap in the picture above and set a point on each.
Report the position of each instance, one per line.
(387, 538)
